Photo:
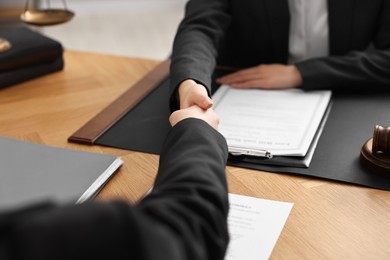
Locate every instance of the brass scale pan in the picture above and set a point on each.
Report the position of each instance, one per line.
(47, 16)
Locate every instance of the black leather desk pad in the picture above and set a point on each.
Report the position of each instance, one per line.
(350, 124)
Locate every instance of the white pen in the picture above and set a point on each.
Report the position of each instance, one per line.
(236, 151)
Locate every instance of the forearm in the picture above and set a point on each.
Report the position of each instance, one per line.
(86, 231)
(359, 68)
(191, 190)
(195, 45)
(355, 69)
(193, 153)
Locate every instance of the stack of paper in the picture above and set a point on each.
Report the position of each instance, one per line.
(272, 123)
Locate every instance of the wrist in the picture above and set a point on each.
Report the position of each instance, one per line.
(184, 87)
(296, 77)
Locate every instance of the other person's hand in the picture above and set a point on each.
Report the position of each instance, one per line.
(192, 93)
(209, 115)
(273, 76)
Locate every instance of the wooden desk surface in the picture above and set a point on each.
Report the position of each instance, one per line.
(329, 220)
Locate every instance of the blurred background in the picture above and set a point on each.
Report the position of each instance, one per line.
(134, 28)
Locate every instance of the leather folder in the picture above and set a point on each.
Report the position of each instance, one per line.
(31, 55)
(28, 48)
(12, 77)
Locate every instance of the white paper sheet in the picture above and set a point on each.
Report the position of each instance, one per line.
(254, 226)
(283, 122)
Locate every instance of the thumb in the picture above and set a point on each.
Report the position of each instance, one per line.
(203, 101)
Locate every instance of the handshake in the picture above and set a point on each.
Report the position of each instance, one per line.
(194, 103)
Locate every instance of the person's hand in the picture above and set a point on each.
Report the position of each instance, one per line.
(273, 76)
(192, 93)
(209, 116)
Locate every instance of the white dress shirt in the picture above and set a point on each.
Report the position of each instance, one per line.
(309, 37)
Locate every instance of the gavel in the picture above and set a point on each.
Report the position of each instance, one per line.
(375, 153)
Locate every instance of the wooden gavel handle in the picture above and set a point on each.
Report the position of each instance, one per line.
(381, 140)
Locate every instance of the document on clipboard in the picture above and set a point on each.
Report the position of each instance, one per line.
(271, 123)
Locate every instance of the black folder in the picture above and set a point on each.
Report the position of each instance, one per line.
(34, 173)
(31, 55)
(15, 76)
(28, 48)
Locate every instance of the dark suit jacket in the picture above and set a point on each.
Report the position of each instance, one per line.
(251, 32)
(184, 217)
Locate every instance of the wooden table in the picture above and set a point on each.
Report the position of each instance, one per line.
(329, 220)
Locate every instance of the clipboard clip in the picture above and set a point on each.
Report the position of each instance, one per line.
(237, 151)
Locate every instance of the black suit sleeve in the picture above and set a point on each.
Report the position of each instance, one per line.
(184, 217)
(368, 68)
(196, 42)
